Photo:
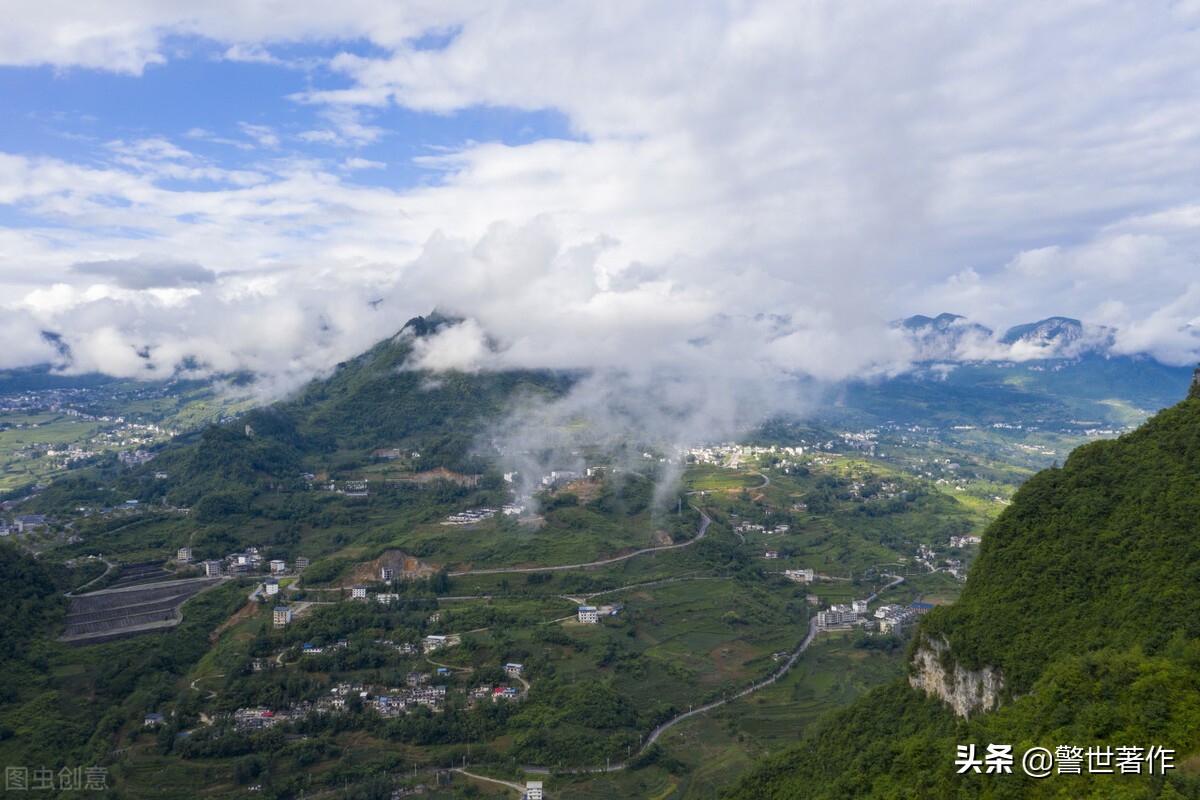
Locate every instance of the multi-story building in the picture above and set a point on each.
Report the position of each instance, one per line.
(838, 614)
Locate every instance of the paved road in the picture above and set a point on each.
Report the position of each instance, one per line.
(704, 523)
(93, 580)
(779, 673)
(519, 787)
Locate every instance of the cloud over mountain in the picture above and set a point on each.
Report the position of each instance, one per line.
(743, 191)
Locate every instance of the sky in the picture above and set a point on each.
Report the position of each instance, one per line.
(748, 191)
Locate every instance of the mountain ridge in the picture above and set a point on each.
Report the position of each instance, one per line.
(1082, 607)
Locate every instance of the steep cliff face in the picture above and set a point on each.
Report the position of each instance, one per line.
(936, 672)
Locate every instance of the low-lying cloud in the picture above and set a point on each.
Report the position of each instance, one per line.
(735, 209)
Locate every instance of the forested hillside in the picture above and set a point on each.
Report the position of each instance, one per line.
(1086, 598)
(370, 402)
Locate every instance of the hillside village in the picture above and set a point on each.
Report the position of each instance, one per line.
(809, 530)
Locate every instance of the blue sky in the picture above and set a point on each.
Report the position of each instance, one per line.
(73, 113)
(237, 184)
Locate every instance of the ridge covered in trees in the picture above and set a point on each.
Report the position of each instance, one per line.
(1086, 595)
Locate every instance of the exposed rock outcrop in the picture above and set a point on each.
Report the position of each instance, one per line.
(936, 672)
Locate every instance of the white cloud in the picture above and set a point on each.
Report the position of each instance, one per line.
(462, 347)
(362, 163)
(264, 135)
(253, 53)
(754, 193)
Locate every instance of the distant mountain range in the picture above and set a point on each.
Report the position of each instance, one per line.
(951, 337)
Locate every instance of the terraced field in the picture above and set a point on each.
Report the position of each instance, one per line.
(115, 613)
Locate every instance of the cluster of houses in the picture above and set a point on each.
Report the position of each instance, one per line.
(893, 618)
(754, 527)
(256, 719)
(928, 558)
(23, 523)
(127, 437)
(244, 563)
(890, 618)
(731, 454)
(308, 648)
(496, 693)
(471, 516)
(887, 491)
(387, 702)
(393, 702)
(864, 442)
(134, 458)
(359, 592)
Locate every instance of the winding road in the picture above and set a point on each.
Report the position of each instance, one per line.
(765, 682)
(705, 521)
(110, 564)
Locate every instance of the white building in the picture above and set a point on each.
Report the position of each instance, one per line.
(386, 573)
(838, 614)
(432, 642)
(28, 522)
(184, 555)
(533, 790)
(859, 606)
(589, 615)
(358, 592)
(800, 575)
(212, 569)
(889, 610)
(282, 616)
(514, 669)
(272, 587)
(278, 565)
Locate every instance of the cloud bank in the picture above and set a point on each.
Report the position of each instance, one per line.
(742, 194)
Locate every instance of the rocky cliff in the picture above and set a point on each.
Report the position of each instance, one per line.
(935, 672)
